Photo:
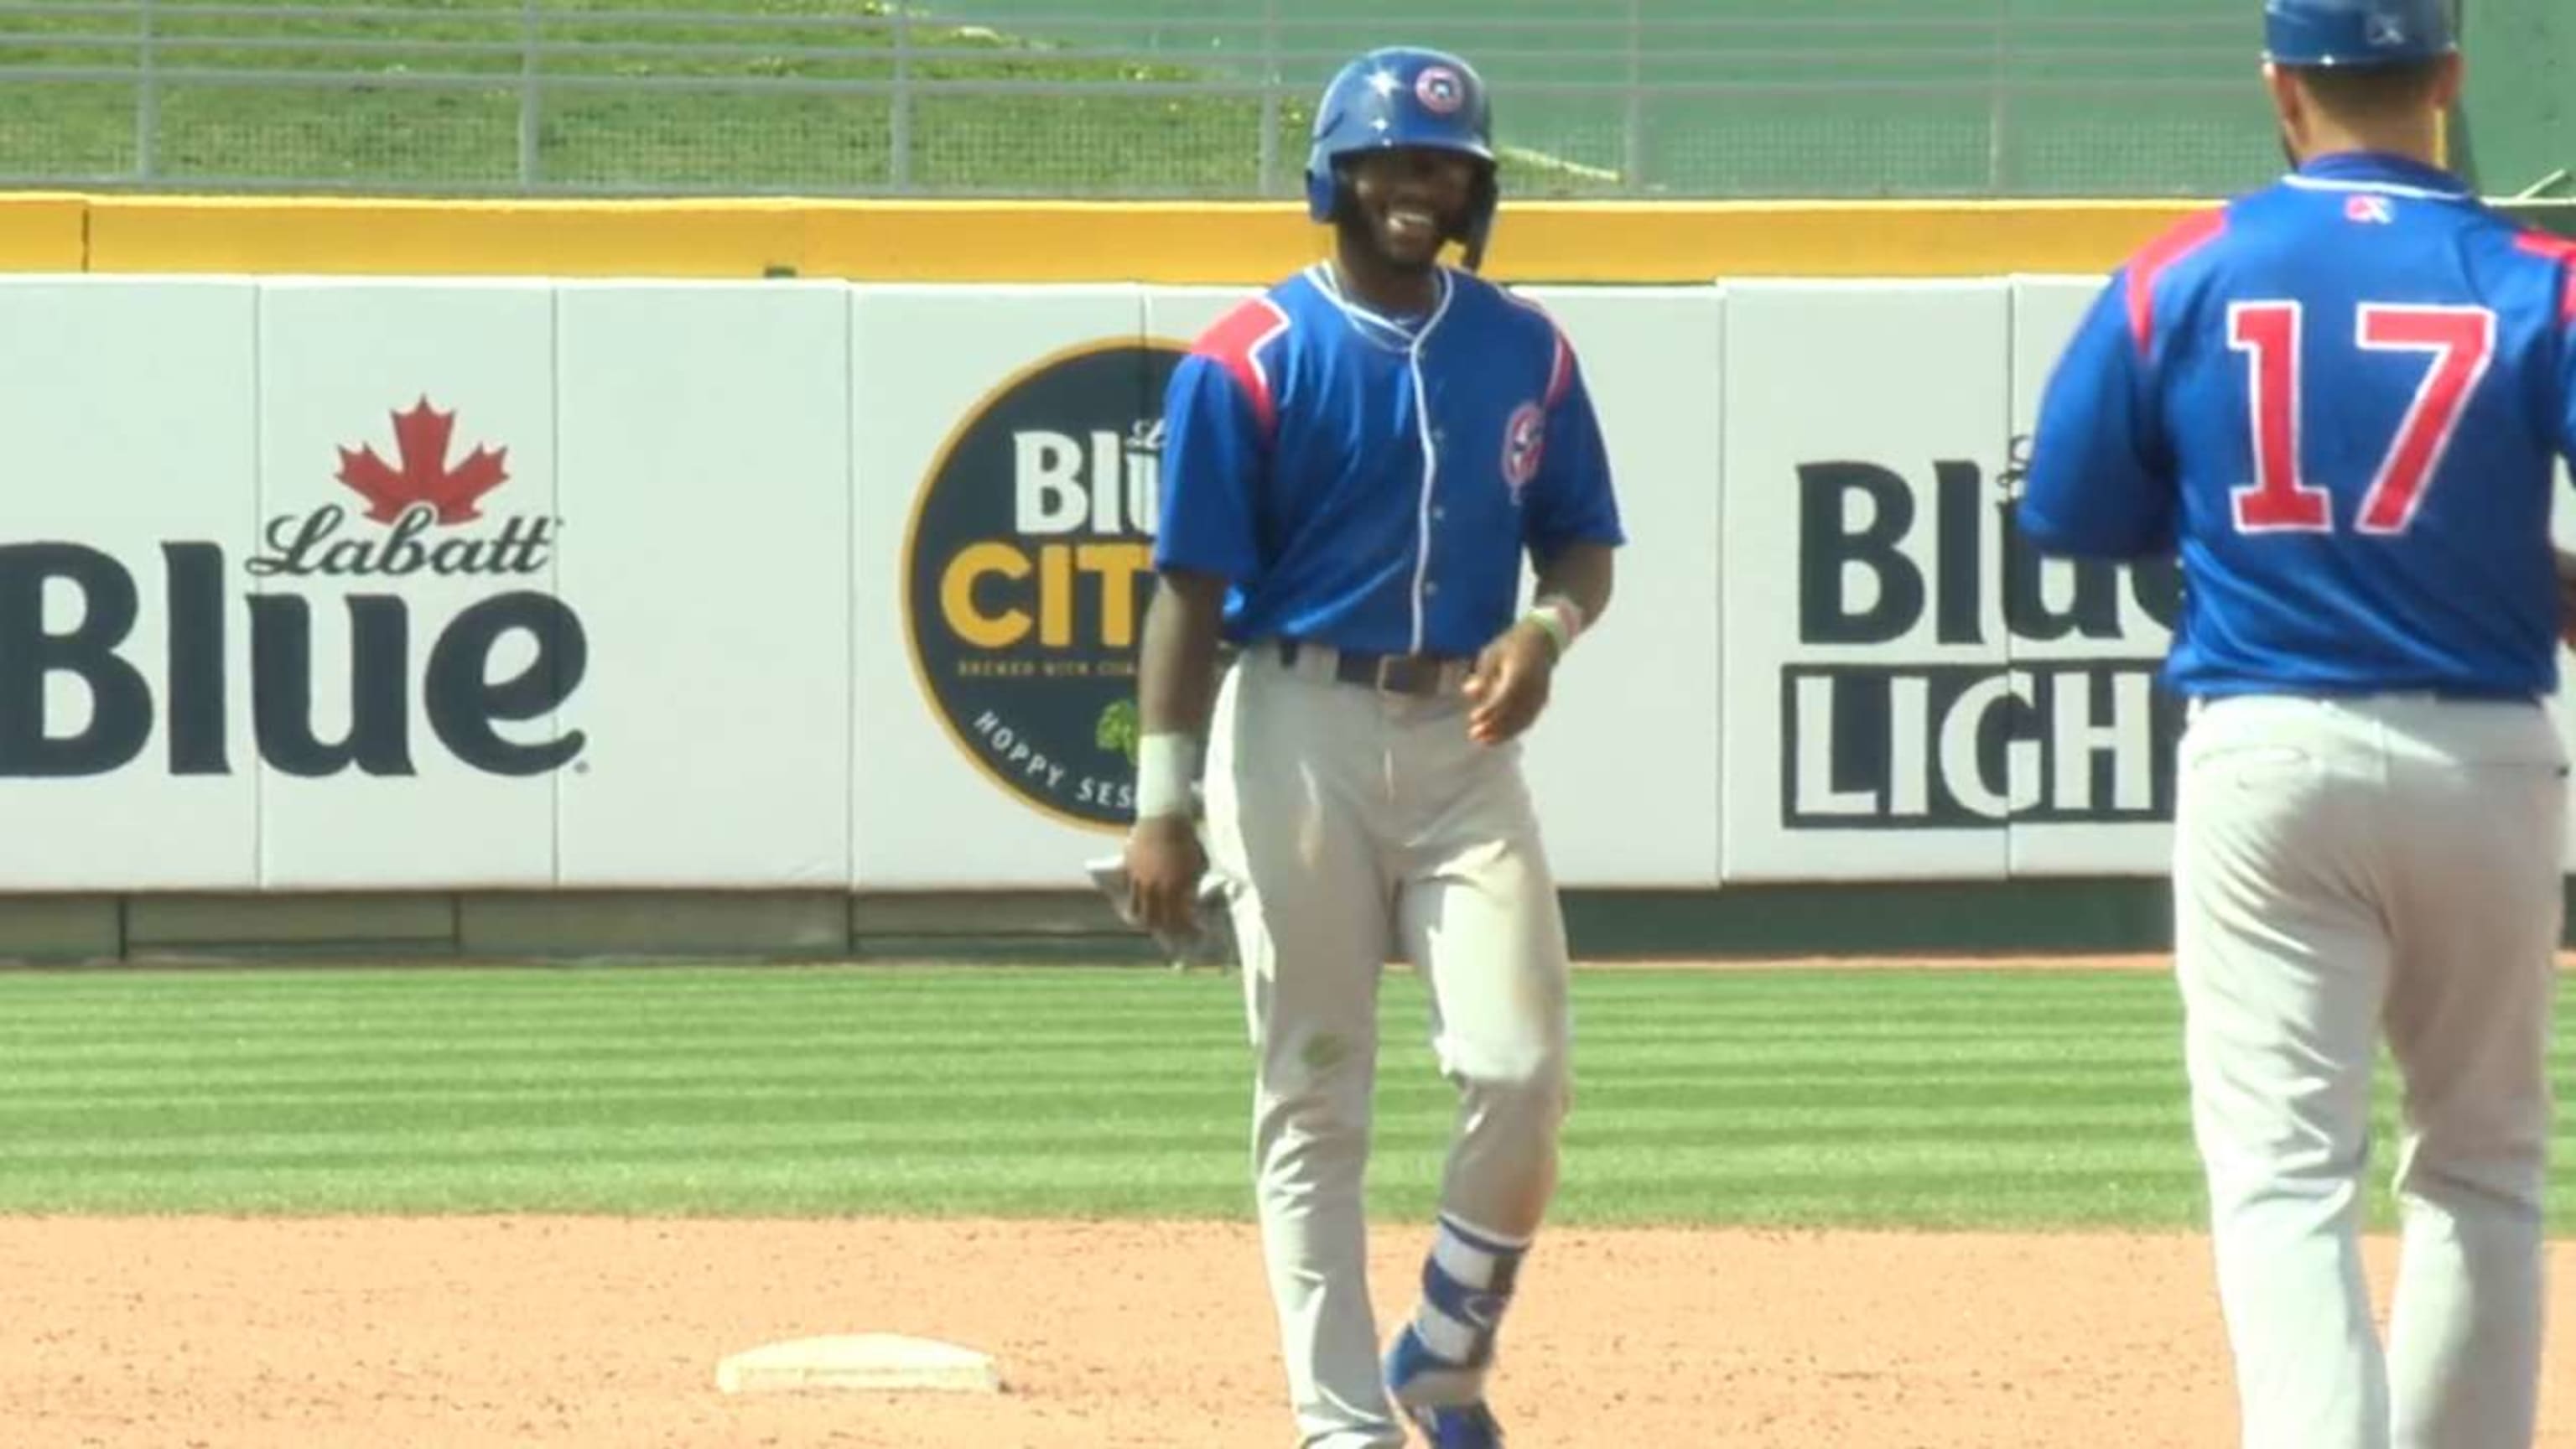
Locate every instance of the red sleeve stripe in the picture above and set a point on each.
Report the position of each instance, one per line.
(1236, 343)
(1560, 368)
(2184, 238)
(2561, 250)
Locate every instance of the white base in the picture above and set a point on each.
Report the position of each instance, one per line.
(859, 1361)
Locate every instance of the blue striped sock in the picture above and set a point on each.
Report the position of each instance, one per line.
(1466, 1285)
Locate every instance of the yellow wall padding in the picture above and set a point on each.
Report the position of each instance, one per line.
(1011, 241)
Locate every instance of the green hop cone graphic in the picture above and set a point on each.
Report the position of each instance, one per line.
(1118, 729)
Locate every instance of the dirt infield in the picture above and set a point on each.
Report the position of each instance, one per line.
(477, 1333)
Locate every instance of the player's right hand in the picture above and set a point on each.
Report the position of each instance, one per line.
(1164, 863)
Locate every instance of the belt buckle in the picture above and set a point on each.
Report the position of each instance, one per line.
(1407, 674)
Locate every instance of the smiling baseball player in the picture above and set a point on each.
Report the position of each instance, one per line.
(1354, 466)
(2342, 398)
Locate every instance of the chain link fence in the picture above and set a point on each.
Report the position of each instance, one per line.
(1613, 98)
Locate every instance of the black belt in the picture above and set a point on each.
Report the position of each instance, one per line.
(1416, 674)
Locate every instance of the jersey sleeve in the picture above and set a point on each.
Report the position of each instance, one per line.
(2567, 359)
(2560, 298)
(1214, 456)
(2099, 482)
(1570, 498)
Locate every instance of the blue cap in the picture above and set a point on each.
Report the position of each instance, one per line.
(2356, 32)
(1402, 96)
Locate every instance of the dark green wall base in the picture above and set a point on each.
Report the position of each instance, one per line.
(1945, 918)
(1845, 922)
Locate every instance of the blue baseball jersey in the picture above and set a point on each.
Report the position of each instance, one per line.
(1370, 482)
(2341, 398)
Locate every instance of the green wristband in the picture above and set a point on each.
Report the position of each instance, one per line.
(1557, 633)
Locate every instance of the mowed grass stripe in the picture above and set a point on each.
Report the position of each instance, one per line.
(464, 991)
(35, 1019)
(34, 1006)
(967, 1054)
(107, 1043)
(1215, 1153)
(1842, 1097)
(1683, 1118)
(1174, 1183)
(140, 1029)
(795, 1041)
(29, 1120)
(1106, 1128)
(1721, 1005)
(1598, 1079)
(39, 1020)
(395, 1026)
(1641, 1189)
(1002, 1079)
(451, 993)
(877, 1175)
(951, 985)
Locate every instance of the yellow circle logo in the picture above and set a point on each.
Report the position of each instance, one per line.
(1026, 572)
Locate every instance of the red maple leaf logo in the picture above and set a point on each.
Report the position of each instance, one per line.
(421, 437)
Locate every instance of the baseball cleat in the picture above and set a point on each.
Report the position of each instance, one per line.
(1413, 1372)
(1469, 1427)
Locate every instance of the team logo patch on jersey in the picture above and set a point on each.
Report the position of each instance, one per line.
(1441, 90)
(1026, 573)
(1524, 441)
(2369, 207)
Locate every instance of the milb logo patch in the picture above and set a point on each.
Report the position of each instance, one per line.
(1026, 571)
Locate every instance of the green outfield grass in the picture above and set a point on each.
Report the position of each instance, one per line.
(1920, 1099)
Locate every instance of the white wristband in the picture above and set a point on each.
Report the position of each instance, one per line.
(1167, 765)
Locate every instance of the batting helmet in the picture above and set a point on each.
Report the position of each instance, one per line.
(1404, 96)
(2356, 32)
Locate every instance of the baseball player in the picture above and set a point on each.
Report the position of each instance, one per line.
(1354, 464)
(2341, 399)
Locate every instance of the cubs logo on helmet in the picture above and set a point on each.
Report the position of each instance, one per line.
(1440, 89)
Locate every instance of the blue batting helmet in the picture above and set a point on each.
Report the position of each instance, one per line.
(1403, 96)
(2356, 32)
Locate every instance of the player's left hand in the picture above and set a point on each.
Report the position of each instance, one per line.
(1510, 684)
(1164, 864)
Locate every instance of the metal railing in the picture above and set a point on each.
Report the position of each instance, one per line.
(519, 96)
